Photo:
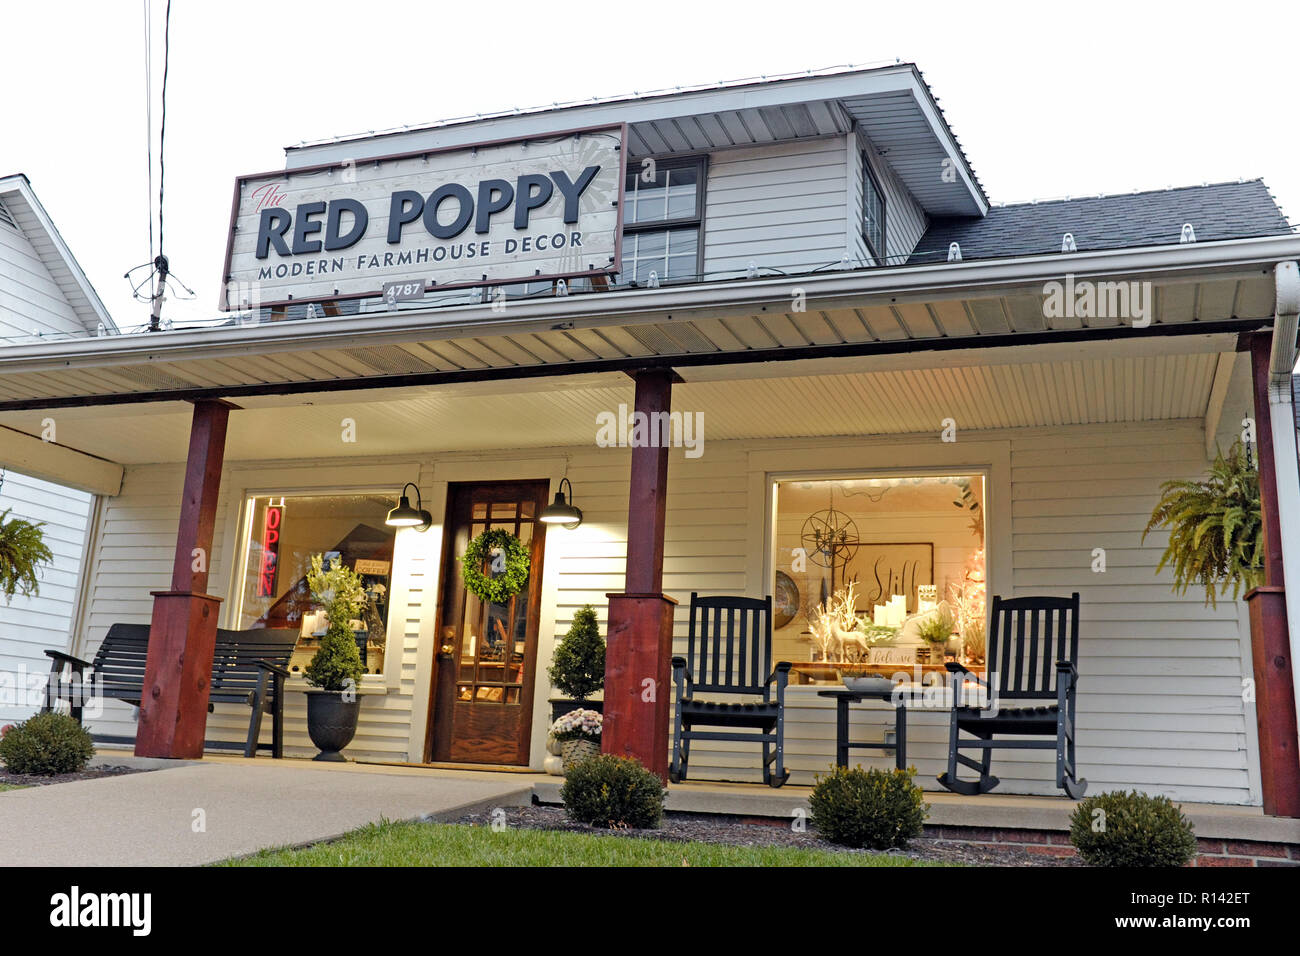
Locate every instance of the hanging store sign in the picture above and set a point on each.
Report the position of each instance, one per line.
(496, 213)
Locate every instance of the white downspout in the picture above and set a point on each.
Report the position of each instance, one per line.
(1282, 365)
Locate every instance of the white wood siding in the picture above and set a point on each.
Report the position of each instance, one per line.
(30, 299)
(1161, 706)
(905, 220)
(30, 626)
(782, 206)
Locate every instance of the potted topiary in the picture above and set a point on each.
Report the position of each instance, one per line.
(335, 670)
(578, 667)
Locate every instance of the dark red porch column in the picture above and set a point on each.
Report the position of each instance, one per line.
(1275, 707)
(174, 709)
(639, 636)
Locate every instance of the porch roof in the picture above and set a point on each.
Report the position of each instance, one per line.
(986, 389)
(1197, 288)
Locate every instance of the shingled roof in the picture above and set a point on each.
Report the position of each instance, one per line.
(1218, 211)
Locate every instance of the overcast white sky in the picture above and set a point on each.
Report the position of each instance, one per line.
(1047, 99)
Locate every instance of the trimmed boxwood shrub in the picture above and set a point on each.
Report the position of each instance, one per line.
(614, 792)
(1131, 829)
(877, 809)
(46, 744)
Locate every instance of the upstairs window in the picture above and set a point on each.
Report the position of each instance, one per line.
(873, 213)
(663, 208)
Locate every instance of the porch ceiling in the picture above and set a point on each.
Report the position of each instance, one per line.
(880, 312)
(1024, 386)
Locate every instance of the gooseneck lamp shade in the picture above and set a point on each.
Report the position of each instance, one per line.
(404, 516)
(560, 511)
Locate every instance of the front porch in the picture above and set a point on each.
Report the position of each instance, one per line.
(1070, 432)
(248, 806)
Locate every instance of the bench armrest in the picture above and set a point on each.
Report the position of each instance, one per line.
(273, 668)
(1068, 668)
(63, 658)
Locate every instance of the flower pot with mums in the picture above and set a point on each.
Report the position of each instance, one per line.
(578, 732)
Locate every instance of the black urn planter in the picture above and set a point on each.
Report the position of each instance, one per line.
(561, 706)
(331, 722)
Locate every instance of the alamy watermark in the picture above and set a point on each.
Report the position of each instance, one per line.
(637, 429)
(1084, 299)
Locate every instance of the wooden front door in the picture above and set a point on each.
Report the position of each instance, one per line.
(482, 701)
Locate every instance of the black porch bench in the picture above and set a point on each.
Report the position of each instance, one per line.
(248, 667)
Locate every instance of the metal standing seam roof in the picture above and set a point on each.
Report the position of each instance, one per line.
(1221, 211)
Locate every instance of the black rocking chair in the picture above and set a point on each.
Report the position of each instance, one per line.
(729, 651)
(1045, 644)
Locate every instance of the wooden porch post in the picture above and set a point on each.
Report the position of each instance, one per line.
(174, 708)
(1275, 706)
(639, 636)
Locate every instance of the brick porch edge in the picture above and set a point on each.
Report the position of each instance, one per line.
(1211, 852)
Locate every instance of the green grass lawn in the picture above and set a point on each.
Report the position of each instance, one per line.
(11, 786)
(444, 844)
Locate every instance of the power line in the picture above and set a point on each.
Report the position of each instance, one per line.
(162, 133)
(148, 121)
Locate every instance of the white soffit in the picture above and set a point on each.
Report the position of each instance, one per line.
(1095, 385)
(891, 323)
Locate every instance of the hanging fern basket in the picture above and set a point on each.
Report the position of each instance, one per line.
(495, 566)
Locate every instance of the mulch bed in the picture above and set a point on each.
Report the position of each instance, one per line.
(36, 780)
(708, 828)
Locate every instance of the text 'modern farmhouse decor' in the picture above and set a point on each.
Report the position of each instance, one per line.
(496, 212)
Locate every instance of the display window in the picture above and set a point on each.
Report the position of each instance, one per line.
(282, 533)
(876, 574)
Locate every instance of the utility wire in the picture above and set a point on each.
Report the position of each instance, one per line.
(162, 133)
(148, 121)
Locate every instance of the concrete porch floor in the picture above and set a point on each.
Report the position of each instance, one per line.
(1000, 811)
(147, 819)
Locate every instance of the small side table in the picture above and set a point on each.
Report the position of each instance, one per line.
(843, 697)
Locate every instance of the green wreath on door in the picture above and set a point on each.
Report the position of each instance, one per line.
(511, 560)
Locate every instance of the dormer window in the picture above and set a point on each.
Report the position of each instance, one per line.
(873, 213)
(663, 207)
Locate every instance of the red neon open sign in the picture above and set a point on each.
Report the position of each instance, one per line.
(270, 550)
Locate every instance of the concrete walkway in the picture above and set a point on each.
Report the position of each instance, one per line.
(153, 819)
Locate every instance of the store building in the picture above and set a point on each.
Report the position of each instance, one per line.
(44, 295)
(807, 275)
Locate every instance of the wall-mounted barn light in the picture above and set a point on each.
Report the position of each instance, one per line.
(404, 516)
(560, 511)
